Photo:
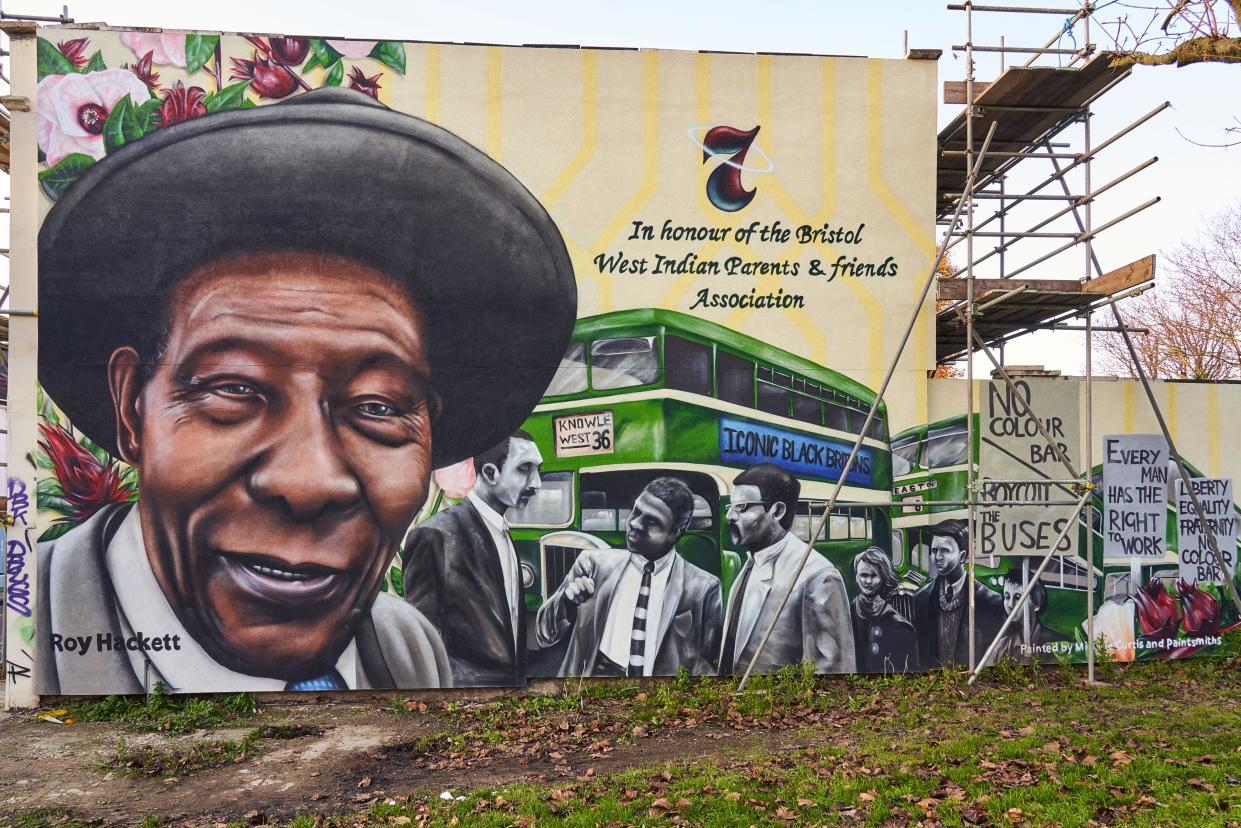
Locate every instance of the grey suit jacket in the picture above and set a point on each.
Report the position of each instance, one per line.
(815, 624)
(689, 628)
(453, 577)
(397, 647)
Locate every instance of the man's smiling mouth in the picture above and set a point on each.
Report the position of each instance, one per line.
(276, 580)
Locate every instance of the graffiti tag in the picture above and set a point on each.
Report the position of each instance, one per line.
(19, 500)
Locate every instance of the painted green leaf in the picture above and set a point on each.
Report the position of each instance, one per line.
(122, 125)
(311, 62)
(54, 531)
(49, 487)
(42, 460)
(55, 502)
(391, 54)
(198, 50)
(100, 453)
(147, 114)
(55, 181)
(229, 98)
(51, 61)
(324, 53)
(95, 64)
(336, 75)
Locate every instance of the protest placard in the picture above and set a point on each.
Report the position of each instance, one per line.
(1197, 561)
(1135, 495)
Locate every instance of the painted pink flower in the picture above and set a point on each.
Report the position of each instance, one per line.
(353, 49)
(73, 109)
(456, 480)
(164, 48)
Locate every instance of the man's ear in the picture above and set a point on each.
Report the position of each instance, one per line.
(778, 510)
(125, 381)
(490, 473)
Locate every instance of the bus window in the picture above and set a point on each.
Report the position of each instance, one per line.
(807, 410)
(552, 505)
(837, 417)
(838, 527)
(596, 516)
(571, 375)
(773, 400)
(904, 455)
(944, 447)
(878, 428)
(898, 548)
(844, 523)
(734, 377)
(623, 362)
(687, 365)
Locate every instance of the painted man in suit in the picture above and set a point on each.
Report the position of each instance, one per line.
(815, 624)
(643, 610)
(462, 573)
(941, 607)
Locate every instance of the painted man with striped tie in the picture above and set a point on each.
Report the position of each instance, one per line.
(643, 610)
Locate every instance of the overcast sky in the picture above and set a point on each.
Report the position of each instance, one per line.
(1194, 181)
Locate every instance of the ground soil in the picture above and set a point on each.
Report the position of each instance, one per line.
(49, 765)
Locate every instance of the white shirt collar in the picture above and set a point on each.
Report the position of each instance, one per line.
(663, 563)
(959, 582)
(145, 609)
(767, 554)
(491, 516)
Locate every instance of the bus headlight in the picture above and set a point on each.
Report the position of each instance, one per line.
(527, 575)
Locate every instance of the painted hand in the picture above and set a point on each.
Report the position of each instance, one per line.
(580, 589)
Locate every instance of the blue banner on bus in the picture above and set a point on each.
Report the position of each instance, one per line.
(748, 444)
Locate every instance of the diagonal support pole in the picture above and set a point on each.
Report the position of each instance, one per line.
(1071, 525)
(870, 415)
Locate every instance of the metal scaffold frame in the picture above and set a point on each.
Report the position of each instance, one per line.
(985, 170)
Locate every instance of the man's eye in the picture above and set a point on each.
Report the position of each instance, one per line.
(376, 409)
(236, 389)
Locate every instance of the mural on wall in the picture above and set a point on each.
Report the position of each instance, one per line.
(363, 365)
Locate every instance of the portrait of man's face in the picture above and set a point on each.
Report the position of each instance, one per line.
(651, 529)
(947, 557)
(283, 442)
(748, 517)
(518, 479)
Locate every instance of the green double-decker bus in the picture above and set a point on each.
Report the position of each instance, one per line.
(645, 393)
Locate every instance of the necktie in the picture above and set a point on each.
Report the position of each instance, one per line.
(730, 639)
(327, 681)
(637, 641)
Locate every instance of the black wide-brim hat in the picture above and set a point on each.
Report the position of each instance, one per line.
(329, 171)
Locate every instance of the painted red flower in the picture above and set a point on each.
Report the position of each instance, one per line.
(1199, 609)
(269, 79)
(88, 484)
(290, 50)
(359, 81)
(182, 104)
(143, 69)
(75, 50)
(1156, 610)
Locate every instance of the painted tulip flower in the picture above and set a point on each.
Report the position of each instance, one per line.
(182, 104)
(353, 49)
(163, 48)
(88, 484)
(74, 108)
(270, 80)
(290, 50)
(74, 50)
(1199, 610)
(1156, 610)
(456, 480)
(361, 83)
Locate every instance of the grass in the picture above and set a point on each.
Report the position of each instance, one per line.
(187, 757)
(1027, 746)
(167, 713)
